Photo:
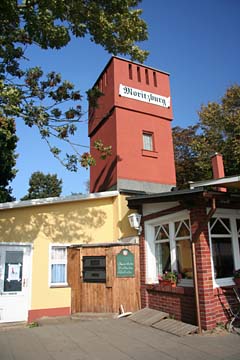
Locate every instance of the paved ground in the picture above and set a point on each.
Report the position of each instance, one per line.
(111, 339)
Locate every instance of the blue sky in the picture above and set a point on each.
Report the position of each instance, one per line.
(197, 42)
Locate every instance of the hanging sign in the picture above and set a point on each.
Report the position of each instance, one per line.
(144, 96)
(125, 264)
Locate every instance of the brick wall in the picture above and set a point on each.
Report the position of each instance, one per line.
(179, 302)
(223, 297)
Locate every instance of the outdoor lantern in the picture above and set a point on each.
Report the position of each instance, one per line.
(134, 221)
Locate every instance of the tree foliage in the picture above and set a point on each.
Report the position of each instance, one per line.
(8, 143)
(43, 186)
(39, 99)
(218, 130)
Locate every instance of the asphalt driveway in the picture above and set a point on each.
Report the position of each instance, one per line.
(111, 339)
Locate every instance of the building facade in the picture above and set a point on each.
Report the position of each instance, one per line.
(52, 250)
(195, 233)
(34, 239)
(133, 116)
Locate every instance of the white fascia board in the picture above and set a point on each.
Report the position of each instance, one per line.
(57, 200)
(231, 181)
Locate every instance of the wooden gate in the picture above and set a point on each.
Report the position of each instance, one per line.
(120, 287)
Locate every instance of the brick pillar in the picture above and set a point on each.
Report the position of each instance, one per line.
(144, 293)
(207, 304)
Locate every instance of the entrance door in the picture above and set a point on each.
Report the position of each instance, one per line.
(14, 282)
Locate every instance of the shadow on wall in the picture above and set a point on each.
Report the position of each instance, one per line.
(125, 228)
(77, 225)
(106, 175)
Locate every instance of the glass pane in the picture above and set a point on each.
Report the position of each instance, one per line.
(222, 257)
(220, 226)
(163, 257)
(13, 271)
(58, 273)
(58, 253)
(238, 226)
(162, 232)
(147, 142)
(182, 228)
(238, 230)
(184, 259)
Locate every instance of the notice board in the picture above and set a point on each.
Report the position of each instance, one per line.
(125, 264)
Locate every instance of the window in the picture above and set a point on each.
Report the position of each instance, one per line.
(58, 265)
(222, 253)
(224, 232)
(13, 271)
(162, 248)
(147, 76)
(169, 247)
(238, 234)
(154, 78)
(147, 141)
(130, 71)
(106, 78)
(138, 74)
(183, 248)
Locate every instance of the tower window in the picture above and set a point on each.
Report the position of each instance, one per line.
(148, 141)
(138, 74)
(130, 71)
(154, 78)
(146, 76)
(106, 78)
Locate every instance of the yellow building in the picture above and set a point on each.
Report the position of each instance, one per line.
(34, 237)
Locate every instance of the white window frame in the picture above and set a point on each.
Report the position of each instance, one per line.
(148, 144)
(149, 227)
(232, 215)
(60, 246)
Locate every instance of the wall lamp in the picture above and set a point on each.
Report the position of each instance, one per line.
(135, 221)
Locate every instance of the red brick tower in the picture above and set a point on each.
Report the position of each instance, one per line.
(134, 117)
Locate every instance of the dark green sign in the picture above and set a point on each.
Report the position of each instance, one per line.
(125, 264)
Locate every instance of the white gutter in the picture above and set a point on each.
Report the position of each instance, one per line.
(57, 200)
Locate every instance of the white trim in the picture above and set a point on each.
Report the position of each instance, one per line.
(50, 284)
(57, 200)
(17, 243)
(224, 212)
(181, 215)
(151, 270)
(28, 260)
(232, 215)
(233, 181)
(186, 282)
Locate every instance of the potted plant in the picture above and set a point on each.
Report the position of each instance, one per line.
(169, 278)
(236, 277)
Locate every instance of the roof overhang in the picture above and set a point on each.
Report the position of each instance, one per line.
(58, 200)
(189, 198)
(228, 182)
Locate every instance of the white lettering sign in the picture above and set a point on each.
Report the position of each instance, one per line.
(144, 96)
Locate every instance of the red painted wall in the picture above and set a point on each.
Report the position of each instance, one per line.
(34, 315)
(119, 121)
(137, 164)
